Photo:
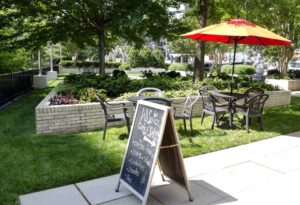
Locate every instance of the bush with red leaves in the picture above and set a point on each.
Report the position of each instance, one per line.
(63, 99)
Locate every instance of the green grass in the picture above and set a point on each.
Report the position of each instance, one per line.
(32, 163)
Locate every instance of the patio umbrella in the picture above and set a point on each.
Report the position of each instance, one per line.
(237, 31)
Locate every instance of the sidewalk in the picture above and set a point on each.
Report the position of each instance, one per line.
(260, 173)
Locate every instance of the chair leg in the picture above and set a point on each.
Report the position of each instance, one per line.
(104, 131)
(202, 118)
(128, 124)
(184, 124)
(247, 123)
(260, 122)
(214, 120)
(191, 125)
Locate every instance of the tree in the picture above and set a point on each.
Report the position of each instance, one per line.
(88, 21)
(283, 18)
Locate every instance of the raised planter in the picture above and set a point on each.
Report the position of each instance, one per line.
(85, 117)
(291, 85)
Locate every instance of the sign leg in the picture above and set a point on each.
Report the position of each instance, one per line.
(160, 170)
(190, 195)
(118, 186)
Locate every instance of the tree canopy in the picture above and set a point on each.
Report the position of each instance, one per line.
(33, 23)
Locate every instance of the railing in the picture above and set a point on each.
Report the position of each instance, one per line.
(15, 84)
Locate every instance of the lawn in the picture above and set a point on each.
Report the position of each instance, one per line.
(32, 163)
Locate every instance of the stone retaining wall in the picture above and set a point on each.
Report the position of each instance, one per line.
(83, 117)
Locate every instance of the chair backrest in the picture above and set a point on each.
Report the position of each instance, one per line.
(155, 92)
(256, 103)
(251, 92)
(209, 101)
(103, 104)
(162, 101)
(189, 103)
(210, 89)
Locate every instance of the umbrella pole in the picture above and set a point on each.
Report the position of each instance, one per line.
(233, 63)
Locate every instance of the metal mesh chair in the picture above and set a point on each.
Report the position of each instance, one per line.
(110, 114)
(186, 111)
(252, 108)
(211, 107)
(210, 89)
(155, 92)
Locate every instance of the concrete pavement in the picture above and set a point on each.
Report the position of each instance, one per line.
(263, 172)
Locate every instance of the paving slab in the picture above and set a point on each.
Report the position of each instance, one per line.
(237, 178)
(132, 200)
(174, 194)
(101, 190)
(283, 190)
(66, 195)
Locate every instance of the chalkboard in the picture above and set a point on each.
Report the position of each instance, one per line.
(143, 146)
(153, 138)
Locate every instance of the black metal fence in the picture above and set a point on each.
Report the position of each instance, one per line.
(15, 84)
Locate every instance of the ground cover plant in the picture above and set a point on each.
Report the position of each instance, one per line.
(32, 163)
(84, 87)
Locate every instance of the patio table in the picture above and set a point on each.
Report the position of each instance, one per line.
(230, 98)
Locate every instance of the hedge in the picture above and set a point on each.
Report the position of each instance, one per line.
(89, 64)
(239, 69)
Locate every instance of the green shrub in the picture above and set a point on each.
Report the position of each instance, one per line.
(274, 73)
(124, 66)
(12, 61)
(217, 82)
(117, 73)
(89, 94)
(86, 64)
(158, 60)
(294, 74)
(239, 69)
(146, 74)
(178, 66)
(67, 88)
(171, 74)
(112, 64)
(146, 58)
(68, 63)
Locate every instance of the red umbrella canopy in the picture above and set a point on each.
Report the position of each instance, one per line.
(237, 31)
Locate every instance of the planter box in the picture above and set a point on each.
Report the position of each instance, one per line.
(86, 117)
(285, 84)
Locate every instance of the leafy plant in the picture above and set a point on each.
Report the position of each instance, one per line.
(89, 94)
(63, 99)
(274, 73)
(146, 58)
(178, 66)
(239, 69)
(117, 73)
(171, 74)
(124, 66)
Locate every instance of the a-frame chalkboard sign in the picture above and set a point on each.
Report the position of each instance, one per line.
(153, 139)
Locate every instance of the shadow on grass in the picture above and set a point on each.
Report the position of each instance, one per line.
(123, 136)
(200, 133)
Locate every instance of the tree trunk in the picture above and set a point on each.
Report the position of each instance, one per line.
(199, 61)
(101, 44)
(285, 55)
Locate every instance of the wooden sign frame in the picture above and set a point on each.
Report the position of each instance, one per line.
(167, 152)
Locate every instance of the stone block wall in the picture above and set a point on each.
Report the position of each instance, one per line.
(84, 117)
